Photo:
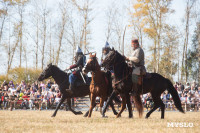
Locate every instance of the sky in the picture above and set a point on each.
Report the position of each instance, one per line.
(99, 23)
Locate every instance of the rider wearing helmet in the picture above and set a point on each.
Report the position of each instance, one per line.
(79, 64)
(106, 49)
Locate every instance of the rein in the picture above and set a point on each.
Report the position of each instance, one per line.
(124, 77)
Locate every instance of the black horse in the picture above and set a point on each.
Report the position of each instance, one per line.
(155, 84)
(62, 79)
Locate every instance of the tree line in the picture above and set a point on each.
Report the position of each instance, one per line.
(41, 32)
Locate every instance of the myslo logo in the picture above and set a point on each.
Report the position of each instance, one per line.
(180, 124)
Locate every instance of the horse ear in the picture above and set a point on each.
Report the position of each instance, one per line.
(94, 54)
(113, 49)
(50, 64)
(90, 54)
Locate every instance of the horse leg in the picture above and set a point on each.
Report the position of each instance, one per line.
(123, 106)
(58, 106)
(109, 101)
(86, 114)
(113, 108)
(156, 105)
(101, 104)
(128, 101)
(70, 108)
(93, 98)
(162, 106)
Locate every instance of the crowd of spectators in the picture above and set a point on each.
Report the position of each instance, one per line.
(189, 95)
(41, 95)
(29, 96)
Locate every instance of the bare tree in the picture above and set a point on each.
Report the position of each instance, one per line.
(3, 15)
(64, 17)
(85, 11)
(198, 29)
(189, 6)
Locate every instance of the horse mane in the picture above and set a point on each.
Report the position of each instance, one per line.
(122, 59)
(59, 70)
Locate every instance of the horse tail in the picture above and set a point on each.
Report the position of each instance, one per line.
(175, 96)
(138, 104)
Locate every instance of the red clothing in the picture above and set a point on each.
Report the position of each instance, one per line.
(25, 97)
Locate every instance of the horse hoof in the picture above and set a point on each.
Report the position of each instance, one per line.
(53, 116)
(115, 113)
(130, 117)
(104, 116)
(118, 116)
(80, 113)
(146, 117)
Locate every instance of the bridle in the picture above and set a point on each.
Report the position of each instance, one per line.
(125, 76)
(93, 69)
(93, 66)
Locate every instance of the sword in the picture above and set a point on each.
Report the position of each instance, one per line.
(83, 77)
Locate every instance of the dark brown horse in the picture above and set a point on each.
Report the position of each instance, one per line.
(62, 79)
(155, 84)
(99, 85)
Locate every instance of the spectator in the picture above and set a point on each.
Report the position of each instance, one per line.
(44, 101)
(23, 85)
(25, 101)
(57, 99)
(12, 89)
(5, 100)
(31, 101)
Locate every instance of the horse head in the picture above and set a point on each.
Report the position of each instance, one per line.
(91, 64)
(46, 73)
(109, 59)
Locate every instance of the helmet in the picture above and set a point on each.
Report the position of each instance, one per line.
(106, 48)
(78, 50)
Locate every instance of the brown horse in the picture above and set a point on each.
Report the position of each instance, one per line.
(99, 85)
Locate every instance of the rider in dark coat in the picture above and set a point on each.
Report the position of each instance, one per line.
(79, 64)
(105, 50)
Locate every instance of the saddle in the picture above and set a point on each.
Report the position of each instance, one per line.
(142, 77)
(80, 82)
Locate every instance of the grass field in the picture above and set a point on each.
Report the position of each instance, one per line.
(40, 121)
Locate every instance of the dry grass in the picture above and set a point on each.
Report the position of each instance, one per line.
(37, 122)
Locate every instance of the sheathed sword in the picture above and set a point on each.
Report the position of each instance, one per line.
(83, 77)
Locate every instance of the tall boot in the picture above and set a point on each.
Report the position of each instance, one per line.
(134, 90)
(70, 90)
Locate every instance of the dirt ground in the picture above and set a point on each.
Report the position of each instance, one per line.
(20, 121)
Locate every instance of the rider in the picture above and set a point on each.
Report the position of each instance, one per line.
(105, 50)
(137, 61)
(79, 64)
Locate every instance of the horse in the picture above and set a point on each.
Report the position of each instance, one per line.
(62, 79)
(99, 86)
(155, 84)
